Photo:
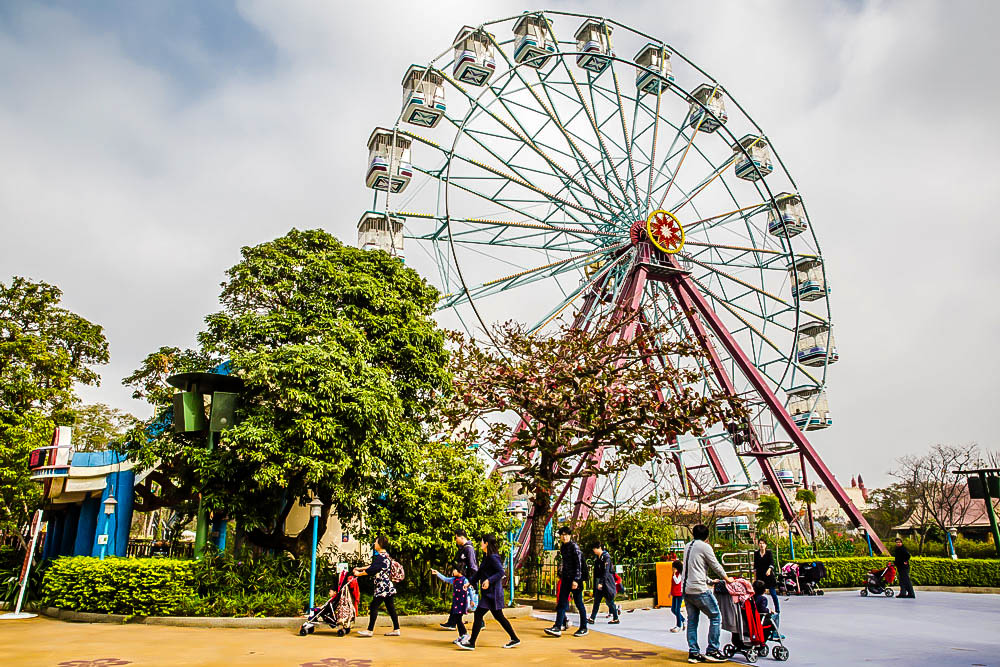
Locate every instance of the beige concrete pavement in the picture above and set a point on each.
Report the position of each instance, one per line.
(46, 642)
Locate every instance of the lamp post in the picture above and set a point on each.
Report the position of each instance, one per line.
(514, 512)
(110, 504)
(952, 533)
(868, 538)
(315, 509)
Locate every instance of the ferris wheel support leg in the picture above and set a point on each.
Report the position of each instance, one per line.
(687, 292)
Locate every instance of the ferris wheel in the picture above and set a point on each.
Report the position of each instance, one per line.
(541, 175)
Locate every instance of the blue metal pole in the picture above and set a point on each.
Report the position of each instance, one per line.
(869, 538)
(510, 566)
(951, 545)
(104, 547)
(312, 570)
(791, 544)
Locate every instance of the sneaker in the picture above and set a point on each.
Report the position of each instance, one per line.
(614, 622)
(394, 633)
(676, 629)
(465, 646)
(555, 632)
(461, 640)
(582, 632)
(565, 627)
(445, 626)
(512, 643)
(365, 633)
(592, 620)
(715, 656)
(695, 657)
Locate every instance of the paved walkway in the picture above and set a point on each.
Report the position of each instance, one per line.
(841, 628)
(47, 642)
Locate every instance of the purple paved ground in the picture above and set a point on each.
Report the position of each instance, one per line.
(941, 629)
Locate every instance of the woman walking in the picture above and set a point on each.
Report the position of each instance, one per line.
(765, 570)
(490, 578)
(385, 592)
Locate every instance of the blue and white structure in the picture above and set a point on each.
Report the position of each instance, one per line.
(786, 217)
(808, 280)
(786, 477)
(533, 44)
(378, 231)
(389, 165)
(76, 486)
(654, 57)
(809, 408)
(423, 96)
(815, 344)
(753, 158)
(475, 59)
(593, 41)
(711, 98)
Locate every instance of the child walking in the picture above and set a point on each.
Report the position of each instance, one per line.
(459, 601)
(677, 595)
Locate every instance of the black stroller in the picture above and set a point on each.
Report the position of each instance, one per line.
(339, 611)
(810, 575)
(880, 581)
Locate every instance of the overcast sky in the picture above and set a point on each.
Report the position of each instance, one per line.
(142, 144)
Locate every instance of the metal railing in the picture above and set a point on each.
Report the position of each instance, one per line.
(638, 579)
(151, 549)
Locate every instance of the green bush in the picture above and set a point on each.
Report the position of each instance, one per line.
(134, 587)
(851, 572)
(642, 536)
(965, 548)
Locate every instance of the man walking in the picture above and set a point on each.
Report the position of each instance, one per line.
(570, 583)
(699, 561)
(604, 583)
(466, 555)
(902, 559)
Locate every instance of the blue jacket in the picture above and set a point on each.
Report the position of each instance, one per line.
(572, 563)
(492, 571)
(604, 574)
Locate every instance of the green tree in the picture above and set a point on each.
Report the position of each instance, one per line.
(44, 351)
(645, 535)
(768, 513)
(448, 489)
(807, 497)
(578, 392)
(97, 425)
(889, 507)
(342, 365)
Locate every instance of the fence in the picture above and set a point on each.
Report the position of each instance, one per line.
(639, 580)
(150, 549)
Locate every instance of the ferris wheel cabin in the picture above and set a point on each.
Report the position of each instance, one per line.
(423, 96)
(753, 158)
(378, 231)
(787, 217)
(656, 58)
(710, 97)
(388, 165)
(474, 56)
(785, 477)
(593, 41)
(816, 345)
(533, 43)
(809, 408)
(808, 282)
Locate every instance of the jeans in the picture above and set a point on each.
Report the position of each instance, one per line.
(774, 596)
(675, 608)
(565, 590)
(477, 624)
(390, 606)
(697, 604)
(905, 585)
(456, 620)
(608, 597)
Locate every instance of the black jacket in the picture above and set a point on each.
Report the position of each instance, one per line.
(572, 562)
(761, 565)
(467, 557)
(902, 557)
(604, 573)
(491, 571)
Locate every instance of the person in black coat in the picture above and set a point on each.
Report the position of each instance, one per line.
(766, 571)
(570, 583)
(902, 559)
(466, 554)
(604, 583)
(489, 578)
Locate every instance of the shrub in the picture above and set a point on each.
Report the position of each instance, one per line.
(134, 587)
(642, 536)
(851, 572)
(965, 548)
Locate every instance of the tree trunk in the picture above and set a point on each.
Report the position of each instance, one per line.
(541, 503)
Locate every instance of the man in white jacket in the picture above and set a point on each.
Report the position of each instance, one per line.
(699, 562)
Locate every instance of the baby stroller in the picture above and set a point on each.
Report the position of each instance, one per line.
(339, 611)
(879, 581)
(750, 632)
(810, 574)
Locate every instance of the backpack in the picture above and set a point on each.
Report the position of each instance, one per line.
(396, 572)
(619, 584)
(584, 570)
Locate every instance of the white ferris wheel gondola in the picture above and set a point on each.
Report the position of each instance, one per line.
(809, 408)
(593, 41)
(786, 217)
(711, 97)
(475, 60)
(753, 158)
(423, 96)
(654, 57)
(378, 231)
(533, 46)
(808, 281)
(389, 165)
(815, 345)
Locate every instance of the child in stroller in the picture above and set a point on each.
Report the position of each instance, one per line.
(879, 581)
(339, 611)
(751, 624)
(802, 579)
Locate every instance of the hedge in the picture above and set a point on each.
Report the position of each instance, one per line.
(853, 572)
(129, 586)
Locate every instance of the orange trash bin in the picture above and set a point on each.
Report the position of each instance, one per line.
(664, 578)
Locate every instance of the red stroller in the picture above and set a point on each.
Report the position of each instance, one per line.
(750, 632)
(880, 581)
(339, 611)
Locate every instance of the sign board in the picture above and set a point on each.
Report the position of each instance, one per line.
(102, 539)
(36, 525)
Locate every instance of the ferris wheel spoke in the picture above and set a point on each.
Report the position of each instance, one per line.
(581, 289)
(580, 233)
(525, 138)
(626, 137)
